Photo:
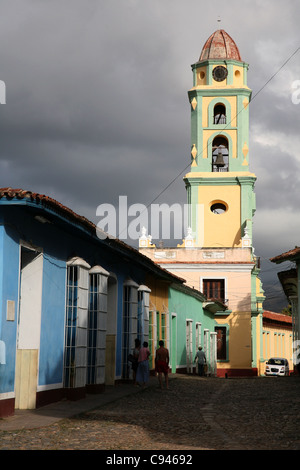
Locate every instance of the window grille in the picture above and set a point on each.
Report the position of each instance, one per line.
(130, 313)
(152, 335)
(140, 317)
(213, 354)
(70, 331)
(76, 325)
(126, 332)
(189, 346)
(206, 349)
(97, 319)
(163, 327)
(158, 329)
(143, 313)
(198, 335)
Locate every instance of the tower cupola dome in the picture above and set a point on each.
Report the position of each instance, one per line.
(220, 46)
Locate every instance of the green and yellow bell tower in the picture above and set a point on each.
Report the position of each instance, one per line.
(219, 185)
(217, 255)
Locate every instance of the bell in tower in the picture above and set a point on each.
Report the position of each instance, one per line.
(220, 161)
(220, 154)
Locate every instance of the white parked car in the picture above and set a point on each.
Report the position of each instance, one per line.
(277, 366)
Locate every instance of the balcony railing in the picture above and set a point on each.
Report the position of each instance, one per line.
(219, 119)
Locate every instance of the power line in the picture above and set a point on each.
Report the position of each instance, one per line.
(274, 75)
(267, 82)
(220, 133)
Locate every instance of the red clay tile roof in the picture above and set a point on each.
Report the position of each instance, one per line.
(68, 214)
(11, 193)
(277, 317)
(294, 253)
(220, 46)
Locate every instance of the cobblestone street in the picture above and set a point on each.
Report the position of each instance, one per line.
(195, 414)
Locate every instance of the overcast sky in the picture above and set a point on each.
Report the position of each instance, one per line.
(97, 106)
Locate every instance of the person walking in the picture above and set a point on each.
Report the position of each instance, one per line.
(162, 364)
(142, 373)
(200, 357)
(135, 355)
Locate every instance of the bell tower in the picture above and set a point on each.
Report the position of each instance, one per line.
(219, 184)
(217, 255)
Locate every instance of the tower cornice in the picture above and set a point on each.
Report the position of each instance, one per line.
(227, 90)
(202, 63)
(195, 178)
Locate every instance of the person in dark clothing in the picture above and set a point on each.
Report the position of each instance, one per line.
(200, 356)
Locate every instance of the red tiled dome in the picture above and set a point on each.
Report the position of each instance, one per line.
(220, 46)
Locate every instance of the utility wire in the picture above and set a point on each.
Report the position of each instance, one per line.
(221, 130)
(252, 98)
(274, 75)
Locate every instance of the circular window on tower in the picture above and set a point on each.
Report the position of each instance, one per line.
(218, 207)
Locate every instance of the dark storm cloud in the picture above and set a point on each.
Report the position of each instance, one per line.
(97, 101)
(87, 91)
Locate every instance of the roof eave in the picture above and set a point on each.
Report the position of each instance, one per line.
(56, 210)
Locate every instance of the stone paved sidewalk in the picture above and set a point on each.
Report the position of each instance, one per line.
(195, 414)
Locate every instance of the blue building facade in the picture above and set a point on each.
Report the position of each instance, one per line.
(71, 303)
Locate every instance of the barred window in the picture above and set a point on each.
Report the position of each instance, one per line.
(76, 324)
(130, 314)
(97, 319)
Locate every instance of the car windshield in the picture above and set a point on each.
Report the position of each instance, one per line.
(276, 362)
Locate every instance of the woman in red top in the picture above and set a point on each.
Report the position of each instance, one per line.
(162, 364)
